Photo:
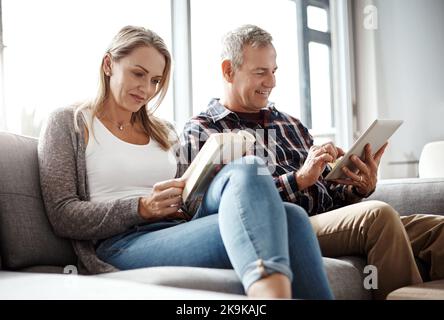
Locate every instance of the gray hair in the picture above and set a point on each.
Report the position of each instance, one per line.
(235, 40)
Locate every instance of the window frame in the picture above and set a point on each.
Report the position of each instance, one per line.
(181, 50)
(305, 36)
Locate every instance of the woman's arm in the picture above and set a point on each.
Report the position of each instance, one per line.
(70, 216)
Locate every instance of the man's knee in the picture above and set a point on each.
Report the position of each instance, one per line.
(383, 211)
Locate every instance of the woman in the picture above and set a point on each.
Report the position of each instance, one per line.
(107, 175)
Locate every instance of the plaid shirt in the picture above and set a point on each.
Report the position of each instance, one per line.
(284, 147)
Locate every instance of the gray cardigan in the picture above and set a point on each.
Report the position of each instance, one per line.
(61, 154)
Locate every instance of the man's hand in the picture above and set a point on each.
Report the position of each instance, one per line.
(366, 177)
(317, 159)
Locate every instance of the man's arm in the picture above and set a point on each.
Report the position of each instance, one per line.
(342, 195)
(287, 186)
(290, 191)
(361, 184)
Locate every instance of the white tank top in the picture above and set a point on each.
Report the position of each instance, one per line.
(120, 170)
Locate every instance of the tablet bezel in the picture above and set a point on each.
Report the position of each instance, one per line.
(376, 134)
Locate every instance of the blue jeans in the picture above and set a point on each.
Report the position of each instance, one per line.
(243, 224)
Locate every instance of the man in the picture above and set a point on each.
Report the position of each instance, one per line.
(343, 224)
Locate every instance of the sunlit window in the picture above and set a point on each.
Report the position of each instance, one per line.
(321, 107)
(54, 48)
(317, 18)
(316, 69)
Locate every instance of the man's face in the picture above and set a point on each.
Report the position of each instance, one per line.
(252, 83)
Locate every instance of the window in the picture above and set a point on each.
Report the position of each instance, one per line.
(210, 20)
(53, 51)
(320, 85)
(315, 62)
(317, 19)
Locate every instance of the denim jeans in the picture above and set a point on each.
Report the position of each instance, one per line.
(242, 224)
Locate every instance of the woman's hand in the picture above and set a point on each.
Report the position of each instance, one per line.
(365, 179)
(164, 202)
(317, 159)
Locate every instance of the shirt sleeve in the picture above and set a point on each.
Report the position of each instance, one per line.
(192, 139)
(287, 186)
(70, 216)
(286, 183)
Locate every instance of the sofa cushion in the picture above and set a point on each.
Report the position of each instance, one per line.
(32, 286)
(26, 237)
(345, 275)
(221, 280)
(44, 269)
(433, 290)
(410, 196)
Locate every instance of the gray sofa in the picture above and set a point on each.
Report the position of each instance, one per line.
(28, 244)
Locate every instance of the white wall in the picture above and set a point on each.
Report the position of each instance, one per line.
(400, 75)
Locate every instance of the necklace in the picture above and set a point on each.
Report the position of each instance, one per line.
(119, 126)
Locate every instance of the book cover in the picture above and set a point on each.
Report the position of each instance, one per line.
(218, 150)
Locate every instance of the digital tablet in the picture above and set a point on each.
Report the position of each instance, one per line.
(376, 135)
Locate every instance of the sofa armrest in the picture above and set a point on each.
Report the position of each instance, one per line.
(410, 196)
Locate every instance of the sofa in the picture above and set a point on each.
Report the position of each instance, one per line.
(29, 247)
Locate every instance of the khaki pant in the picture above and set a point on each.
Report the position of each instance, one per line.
(390, 242)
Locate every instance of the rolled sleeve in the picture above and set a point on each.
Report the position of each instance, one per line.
(287, 186)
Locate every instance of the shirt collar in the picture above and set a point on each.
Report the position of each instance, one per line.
(216, 111)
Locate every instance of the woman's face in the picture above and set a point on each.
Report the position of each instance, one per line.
(135, 78)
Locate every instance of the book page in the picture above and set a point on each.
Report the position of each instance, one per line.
(220, 149)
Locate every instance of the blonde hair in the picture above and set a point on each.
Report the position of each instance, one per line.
(126, 40)
(234, 41)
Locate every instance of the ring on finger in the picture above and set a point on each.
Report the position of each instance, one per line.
(360, 178)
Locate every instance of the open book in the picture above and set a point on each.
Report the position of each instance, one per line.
(218, 150)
